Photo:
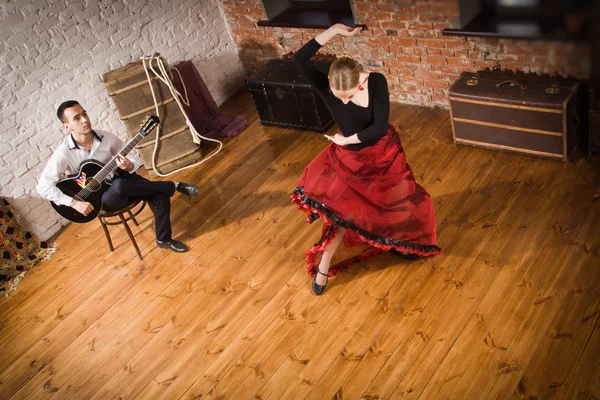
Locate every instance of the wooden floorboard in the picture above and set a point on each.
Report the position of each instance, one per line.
(511, 309)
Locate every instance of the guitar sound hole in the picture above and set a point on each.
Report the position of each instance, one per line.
(93, 185)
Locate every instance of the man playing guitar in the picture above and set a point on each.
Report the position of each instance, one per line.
(82, 144)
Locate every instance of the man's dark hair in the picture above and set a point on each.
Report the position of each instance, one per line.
(60, 113)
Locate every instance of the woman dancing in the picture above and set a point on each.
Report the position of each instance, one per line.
(360, 184)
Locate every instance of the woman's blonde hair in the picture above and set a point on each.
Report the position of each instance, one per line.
(344, 73)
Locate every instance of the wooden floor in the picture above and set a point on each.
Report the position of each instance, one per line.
(510, 310)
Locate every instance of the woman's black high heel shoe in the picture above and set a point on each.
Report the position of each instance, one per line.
(319, 289)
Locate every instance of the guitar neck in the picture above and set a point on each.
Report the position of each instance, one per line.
(112, 164)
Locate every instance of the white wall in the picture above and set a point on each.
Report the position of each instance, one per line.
(52, 51)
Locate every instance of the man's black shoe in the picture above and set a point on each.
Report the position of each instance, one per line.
(174, 245)
(187, 189)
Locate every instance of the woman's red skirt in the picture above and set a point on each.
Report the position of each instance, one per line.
(373, 194)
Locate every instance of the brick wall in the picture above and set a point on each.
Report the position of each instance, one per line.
(52, 51)
(405, 42)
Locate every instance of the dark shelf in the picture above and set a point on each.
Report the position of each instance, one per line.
(517, 27)
(315, 19)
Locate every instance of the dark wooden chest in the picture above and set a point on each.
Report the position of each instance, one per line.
(594, 123)
(522, 113)
(282, 97)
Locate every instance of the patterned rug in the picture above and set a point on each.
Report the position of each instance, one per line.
(19, 250)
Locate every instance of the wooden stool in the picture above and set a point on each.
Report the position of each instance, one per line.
(122, 220)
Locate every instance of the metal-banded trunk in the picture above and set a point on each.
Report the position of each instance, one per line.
(521, 113)
(283, 97)
(129, 89)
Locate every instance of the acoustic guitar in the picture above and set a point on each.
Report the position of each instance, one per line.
(93, 179)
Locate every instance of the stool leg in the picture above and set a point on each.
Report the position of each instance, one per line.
(133, 218)
(137, 249)
(110, 245)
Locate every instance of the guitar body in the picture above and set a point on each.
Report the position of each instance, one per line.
(75, 184)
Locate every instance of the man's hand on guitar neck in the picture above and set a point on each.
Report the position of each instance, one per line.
(82, 206)
(124, 163)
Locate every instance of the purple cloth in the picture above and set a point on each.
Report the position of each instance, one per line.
(203, 112)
